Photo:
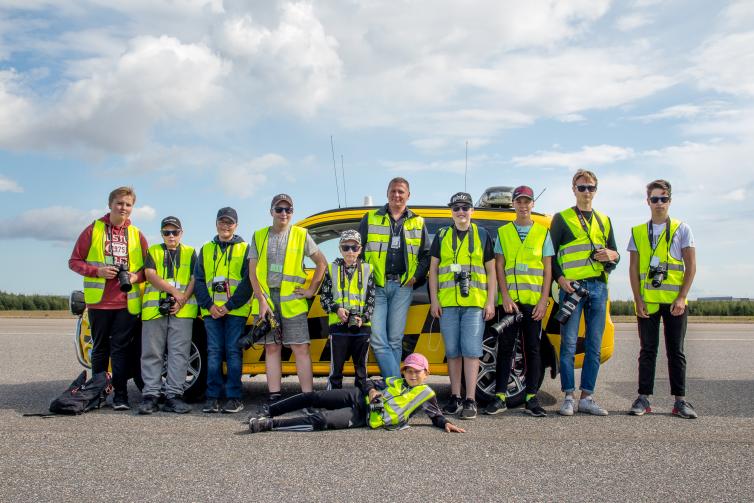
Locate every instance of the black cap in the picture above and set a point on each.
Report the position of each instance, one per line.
(227, 212)
(461, 198)
(171, 221)
(281, 197)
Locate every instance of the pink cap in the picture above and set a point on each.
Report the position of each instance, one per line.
(416, 361)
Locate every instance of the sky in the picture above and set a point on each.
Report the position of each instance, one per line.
(200, 104)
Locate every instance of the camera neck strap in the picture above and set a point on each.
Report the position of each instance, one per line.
(469, 237)
(227, 252)
(666, 231)
(342, 277)
(171, 258)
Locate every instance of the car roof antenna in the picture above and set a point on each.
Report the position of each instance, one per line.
(540, 194)
(335, 170)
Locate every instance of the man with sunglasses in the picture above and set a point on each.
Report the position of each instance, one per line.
(462, 292)
(584, 242)
(662, 268)
(223, 294)
(276, 262)
(396, 246)
(169, 270)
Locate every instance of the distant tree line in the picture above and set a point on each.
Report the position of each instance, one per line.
(20, 302)
(696, 307)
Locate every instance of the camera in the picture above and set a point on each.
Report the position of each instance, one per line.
(352, 322)
(463, 280)
(259, 331)
(571, 301)
(124, 278)
(220, 285)
(658, 275)
(507, 321)
(376, 405)
(166, 305)
(608, 266)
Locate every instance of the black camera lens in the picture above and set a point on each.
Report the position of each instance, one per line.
(124, 278)
(463, 280)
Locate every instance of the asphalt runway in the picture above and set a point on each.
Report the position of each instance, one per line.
(120, 456)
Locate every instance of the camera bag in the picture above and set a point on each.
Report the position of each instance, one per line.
(82, 395)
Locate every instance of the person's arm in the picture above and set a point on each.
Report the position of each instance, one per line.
(364, 230)
(420, 276)
(369, 302)
(689, 264)
(325, 295)
(489, 306)
(158, 282)
(508, 305)
(541, 308)
(139, 276)
(202, 294)
(432, 410)
(610, 252)
(559, 233)
(320, 266)
(77, 263)
(434, 285)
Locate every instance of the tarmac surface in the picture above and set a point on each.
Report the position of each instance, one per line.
(120, 456)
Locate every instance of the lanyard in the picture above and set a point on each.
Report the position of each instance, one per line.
(588, 229)
(109, 239)
(666, 231)
(470, 239)
(342, 280)
(227, 256)
(172, 259)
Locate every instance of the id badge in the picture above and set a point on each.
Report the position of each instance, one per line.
(455, 267)
(523, 268)
(395, 242)
(276, 268)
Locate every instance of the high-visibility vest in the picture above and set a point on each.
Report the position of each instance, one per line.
(574, 257)
(347, 292)
(399, 401)
(228, 264)
(671, 285)
(94, 287)
(378, 243)
(461, 259)
(294, 276)
(152, 296)
(524, 266)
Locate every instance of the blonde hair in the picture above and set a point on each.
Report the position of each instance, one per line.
(585, 173)
(122, 191)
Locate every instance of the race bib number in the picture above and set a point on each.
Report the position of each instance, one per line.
(120, 249)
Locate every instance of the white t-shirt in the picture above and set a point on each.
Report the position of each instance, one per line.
(683, 238)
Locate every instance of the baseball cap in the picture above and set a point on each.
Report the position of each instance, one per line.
(523, 191)
(416, 361)
(350, 235)
(461, 198)
(281, 197)
(171, 221)
(227, 212)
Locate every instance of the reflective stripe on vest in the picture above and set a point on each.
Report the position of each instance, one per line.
(574, 257)
(449, 293)
(671, 285)
(94, 287)
(378, 242)
(151, 302)
(399, 402)
(524, 268)
(294, 276)
(346, 293)
(229, 265)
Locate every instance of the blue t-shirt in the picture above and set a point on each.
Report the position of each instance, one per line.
(523, 231)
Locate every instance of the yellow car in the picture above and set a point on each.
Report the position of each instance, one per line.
(422, 332)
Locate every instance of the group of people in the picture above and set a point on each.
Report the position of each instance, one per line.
(366, 293)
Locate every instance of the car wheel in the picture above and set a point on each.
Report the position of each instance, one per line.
(485, 384)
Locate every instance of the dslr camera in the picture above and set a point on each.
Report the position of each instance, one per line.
(352, 323)
(609, 266)
(166, 305)
(259, 331)
(657, 271)
(463, 280)
(124, 278)
(507, 321)
(571, 301)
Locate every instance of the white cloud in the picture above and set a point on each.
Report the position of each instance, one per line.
(430, 144)
(140, 213)
(632, 21)
(568, 118)
(8, 185)
(588, 156)
(736, 195)
(726, 64)
(243, 180)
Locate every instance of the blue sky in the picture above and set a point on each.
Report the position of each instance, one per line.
(204, 103)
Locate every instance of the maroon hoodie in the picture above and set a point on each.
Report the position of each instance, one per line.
(116, 246)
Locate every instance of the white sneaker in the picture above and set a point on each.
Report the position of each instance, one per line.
(567, 408)
(589, 406)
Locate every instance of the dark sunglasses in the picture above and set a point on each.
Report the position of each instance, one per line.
(283, 209)
(659, 199)
(463, 207)
(585, 188)
(353, 248)
(171, 233)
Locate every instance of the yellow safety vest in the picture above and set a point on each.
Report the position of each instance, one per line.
(294, 276)
(671, 285)
(346, 292)
(152, 296)
(94, 287)
(228, 264)
(378, 243)
(399, 401)
(459, 257)
(574, 257)
(524, 267)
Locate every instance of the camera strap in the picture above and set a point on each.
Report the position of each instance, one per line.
(650, 234)
(469, 237)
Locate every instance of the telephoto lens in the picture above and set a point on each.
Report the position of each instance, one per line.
(463, 279)
(124, 278)
(570, 302)
(507, 321)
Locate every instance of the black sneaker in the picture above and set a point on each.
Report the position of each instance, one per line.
(683, 409)
(496, 406)
(148, 405)
(177, 405)
(258, 424)
(274, 397)
(469, 409)
(454, 405)
(211, 406)
(232, 406)
(534, 409)
(120, 402)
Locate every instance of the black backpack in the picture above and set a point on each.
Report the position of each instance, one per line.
(82, 395)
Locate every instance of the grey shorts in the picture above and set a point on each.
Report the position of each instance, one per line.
(295, 330)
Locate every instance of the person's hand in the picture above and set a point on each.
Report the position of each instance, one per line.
(133, 277)
(342, 314)
(435, 310)
(181, 299)
(217, 311)
(489, 311)
(641, 308)
(605, 255)
(307, 293)
(540, 309)
(374, 395)
(264, 307)
(451, 428)
(107, 271)
(359, 322)
(565, 285)
(508, 305)
(411, 281)
(678, 306)
(175, 307)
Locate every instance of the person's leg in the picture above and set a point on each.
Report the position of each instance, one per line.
(100, 325)
(273, 370)
(382, 352)
(450, 327)
(396, 323)
(121, 335)
(338, 357)
(531, 331)
(359, 350)
(471, 332)
(154, 334)
(326, 399)
(505, 344)
(649, 339)
(675, 335)
(569, 332)
(179, 346)
(215, 341)
(234, 327)
(594, 318)
(303, 366)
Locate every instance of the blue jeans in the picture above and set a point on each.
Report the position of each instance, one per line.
(593, 307)
(462, 329)
(391, 304)
(222, 338)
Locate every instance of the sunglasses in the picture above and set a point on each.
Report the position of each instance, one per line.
(464, 207)
(659, 199)
(353, 248)
(585, 188)
(171, 233)
(283, 209)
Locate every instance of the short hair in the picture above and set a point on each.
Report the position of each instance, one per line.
(398, 179)
(584, 173)
(659, 184)
(122, 191)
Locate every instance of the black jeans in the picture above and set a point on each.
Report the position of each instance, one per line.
(345, 408)
(529, 331)
(343, 347)
(113, 342)
(649, 337)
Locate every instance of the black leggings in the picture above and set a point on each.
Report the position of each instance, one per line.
(649, 335)
(529, 331)
(113, 341)
(346, 408)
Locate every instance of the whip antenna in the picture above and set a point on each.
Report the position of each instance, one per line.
(343, 176)
(335, 170)
(540, 194)
(466, 169)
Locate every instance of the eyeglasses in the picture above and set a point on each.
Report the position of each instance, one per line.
(464, 208)
(585, 188)
(353, 248)
(171, 233)
(283, 209)
(659, 199)
(226, 223)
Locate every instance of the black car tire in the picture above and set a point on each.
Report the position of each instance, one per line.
(196, 376)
